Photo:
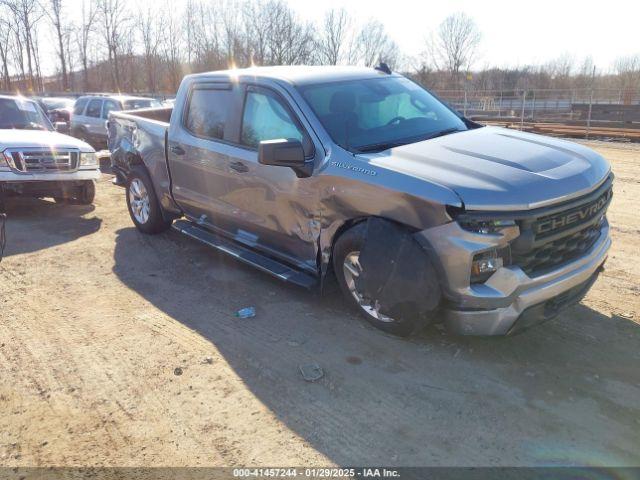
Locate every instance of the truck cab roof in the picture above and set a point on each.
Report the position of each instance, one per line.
(298, 74)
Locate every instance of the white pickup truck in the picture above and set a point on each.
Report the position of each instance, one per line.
(37, 161)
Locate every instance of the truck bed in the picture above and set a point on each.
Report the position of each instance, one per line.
(140, 136)
(162, 114)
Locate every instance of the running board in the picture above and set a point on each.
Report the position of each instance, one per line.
(245, 255)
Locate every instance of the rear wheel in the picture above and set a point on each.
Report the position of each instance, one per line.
(143, 205)
(347, 268)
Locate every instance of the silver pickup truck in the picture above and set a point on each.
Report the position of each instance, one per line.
(37, 161)
(421, 214)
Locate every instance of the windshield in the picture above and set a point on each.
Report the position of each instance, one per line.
(138, 103)
(22, 114)
(55, 103)
(376, 114)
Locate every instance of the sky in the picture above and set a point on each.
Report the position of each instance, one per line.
(514, 33)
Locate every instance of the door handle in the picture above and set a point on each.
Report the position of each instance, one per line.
(239, 167)
(177, 149)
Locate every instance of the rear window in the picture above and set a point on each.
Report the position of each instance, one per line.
(139, 103)
(207, 111)
(79, 106)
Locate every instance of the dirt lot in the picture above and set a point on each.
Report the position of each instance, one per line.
(96, 318)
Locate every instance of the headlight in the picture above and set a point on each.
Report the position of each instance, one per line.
(486, 226)
(88, 159)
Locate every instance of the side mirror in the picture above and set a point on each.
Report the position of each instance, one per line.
(61, 127)
(285, 153)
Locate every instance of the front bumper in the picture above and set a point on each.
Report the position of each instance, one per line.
(78, 175)
(509, 299)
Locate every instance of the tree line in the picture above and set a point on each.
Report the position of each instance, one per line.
(113, 45)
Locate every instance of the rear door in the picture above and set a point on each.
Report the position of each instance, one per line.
(198, 153)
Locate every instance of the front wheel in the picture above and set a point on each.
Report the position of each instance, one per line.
(346, 264)
(143, 206)
(87, 193)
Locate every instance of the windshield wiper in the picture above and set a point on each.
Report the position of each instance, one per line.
(375, 147)
(442, 133)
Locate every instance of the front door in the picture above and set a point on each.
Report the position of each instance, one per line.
(273, 209)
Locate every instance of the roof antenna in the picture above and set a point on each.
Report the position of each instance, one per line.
(383, 67)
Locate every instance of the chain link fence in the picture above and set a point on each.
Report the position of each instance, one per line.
(575, 112)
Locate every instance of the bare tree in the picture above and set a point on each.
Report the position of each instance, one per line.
(112, 18)
(171, 52)
(373, 45)
(205, 37)
(628, 70)
(232, 35)
(290, 41)
(55, 13)
(257, 29)
(335, 38)
(26, 15)
(151, 25)
(5, 37)
(455, 44)
(188, 22)
(84, 32)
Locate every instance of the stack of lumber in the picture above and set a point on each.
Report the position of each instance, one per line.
(556, 129)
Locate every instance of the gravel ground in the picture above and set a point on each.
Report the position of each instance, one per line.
(120, 349)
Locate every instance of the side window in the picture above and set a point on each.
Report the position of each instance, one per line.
(109, 106)
(266, 118)
(94, 108)
(78, 108)
(207, 112)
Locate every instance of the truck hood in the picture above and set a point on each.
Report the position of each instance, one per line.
(494, 168)
(12, 138)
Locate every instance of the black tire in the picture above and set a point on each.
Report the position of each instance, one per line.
(353, 240)
(155, 222)
(87, 193)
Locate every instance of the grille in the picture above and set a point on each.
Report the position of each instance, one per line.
(555, 224)
(42, 161)
(558, 252)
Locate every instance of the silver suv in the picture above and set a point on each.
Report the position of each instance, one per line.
(90, 114)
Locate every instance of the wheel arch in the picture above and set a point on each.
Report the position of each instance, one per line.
(327, 244)
(134, 162)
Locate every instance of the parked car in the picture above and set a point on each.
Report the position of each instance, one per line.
(58, 109)
(90, 114)
(37, 161)
(421, 214)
